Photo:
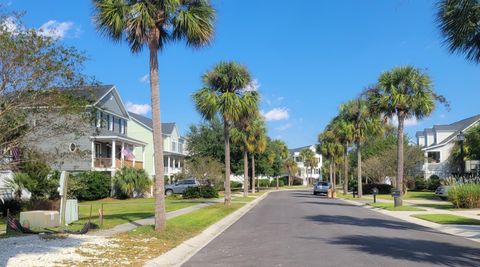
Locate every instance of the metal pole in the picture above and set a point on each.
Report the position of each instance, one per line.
(462, 167)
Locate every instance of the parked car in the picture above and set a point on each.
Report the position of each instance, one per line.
(442, 192)
(321, 188)
(180, 186)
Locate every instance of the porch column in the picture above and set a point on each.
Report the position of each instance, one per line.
(114, 148)
(425, 165)
(93, 154)
(143, 157)
(122, 157)
(168, 165)
(174, 163)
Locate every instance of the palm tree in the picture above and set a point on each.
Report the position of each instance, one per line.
(309, 159)
(344, 130)
(152, 24)
(224, 94)
(403, 93)
(292, 168)
(257, 143)
(365, 123)
(458, 21)
(331, 148)
(243, 135)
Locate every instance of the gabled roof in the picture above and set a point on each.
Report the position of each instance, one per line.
(92, 93)
(167, 128)
(294, 150)
(456, 127)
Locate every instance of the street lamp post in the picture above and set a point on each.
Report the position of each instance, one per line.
(461, 139)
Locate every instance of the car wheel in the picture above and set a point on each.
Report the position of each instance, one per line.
(169, 192)
(444, 198)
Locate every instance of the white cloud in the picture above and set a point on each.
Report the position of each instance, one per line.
(276, 114)
(55, 29)
(141, 109)
(408, 122)
(284, 127)
(253, 86)
(144, 78)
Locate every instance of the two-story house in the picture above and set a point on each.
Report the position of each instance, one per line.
(174, 145)
(309, 174)
(437, 143)
(102, 145)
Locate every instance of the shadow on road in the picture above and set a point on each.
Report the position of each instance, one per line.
(413, 250)
(331, 203)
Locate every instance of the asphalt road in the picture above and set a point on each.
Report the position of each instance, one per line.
(295, 228)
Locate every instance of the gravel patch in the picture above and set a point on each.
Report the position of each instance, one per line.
(37, 251)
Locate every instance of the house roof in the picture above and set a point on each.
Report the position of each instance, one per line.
(92, 93)
(167, 128)
(294, 150)
(456, 127)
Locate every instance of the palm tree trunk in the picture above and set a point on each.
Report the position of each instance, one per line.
(334, 176)
(245, 174)
(330, 171)
(160, 217)
(345, 169)
(359, 171)
(226, 136)
(253, 173)
(277, 182)
(401, 121)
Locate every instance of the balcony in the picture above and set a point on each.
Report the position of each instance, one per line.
(106, 163)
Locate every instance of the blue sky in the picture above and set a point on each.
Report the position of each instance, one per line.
(307, 56)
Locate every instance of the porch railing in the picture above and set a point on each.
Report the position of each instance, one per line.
(106, 163)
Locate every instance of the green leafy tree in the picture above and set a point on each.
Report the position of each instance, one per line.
(292, 169)
(458, 21)
(331, 148)
(224, 94)
(471, 149)
(20, 182)
(403, 93)
(152, 24)
(344, 130)
(258, 144)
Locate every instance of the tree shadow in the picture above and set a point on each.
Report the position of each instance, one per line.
(330, 203)
(414, 250)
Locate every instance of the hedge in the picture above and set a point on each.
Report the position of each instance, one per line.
(382, 188)
(200, 192)
(91, 185)
(465, 196)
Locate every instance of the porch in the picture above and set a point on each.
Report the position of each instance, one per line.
(110, 153)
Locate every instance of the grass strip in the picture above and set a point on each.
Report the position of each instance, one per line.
(144, 243)
(447, 219)
(390, 207)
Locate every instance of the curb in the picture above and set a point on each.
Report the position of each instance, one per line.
(185, 251)
(447, 229)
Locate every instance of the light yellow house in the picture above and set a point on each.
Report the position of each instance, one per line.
(174, 145)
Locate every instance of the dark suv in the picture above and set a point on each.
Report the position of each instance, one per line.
(180, 186)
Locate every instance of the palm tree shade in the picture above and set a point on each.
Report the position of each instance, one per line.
(152, 24)
(403, 93)
(459, 22)
(224, 95)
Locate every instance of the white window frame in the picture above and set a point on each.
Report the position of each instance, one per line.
(122, 126)
(110, 122)
(98, 123)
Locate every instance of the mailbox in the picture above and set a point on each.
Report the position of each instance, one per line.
(375, 191)
(396, 194)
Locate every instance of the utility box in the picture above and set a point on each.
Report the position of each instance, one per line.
(39, 219)
(71, 211)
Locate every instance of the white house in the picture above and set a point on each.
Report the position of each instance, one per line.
(310, 174)
(437, 143)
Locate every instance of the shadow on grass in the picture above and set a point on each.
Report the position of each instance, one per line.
(413, 250)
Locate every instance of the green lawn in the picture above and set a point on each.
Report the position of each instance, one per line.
(447, 219)
(142, 244)
(389, 206)
(412, 195)
(350, 197)
(443, 206)
(117, 212)
(2, 224)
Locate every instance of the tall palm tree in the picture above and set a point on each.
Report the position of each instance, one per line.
(292, 168)
(344, 130)
(365, 123)
(308, 157)
(403, 93)
(243, 135)
(152, 24)
(257, 143)
(224, 94)
(331, 148)
(458, 21)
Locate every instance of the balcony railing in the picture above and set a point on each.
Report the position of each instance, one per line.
(106, 163)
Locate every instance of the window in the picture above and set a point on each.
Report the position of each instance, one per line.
(434, 157)
(110, 119)
(122, 126)
(72, 147)
(174, 146)
(98, 150)
(98, 120)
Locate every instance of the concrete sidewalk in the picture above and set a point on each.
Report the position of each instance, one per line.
(471, 232)
(122, 228)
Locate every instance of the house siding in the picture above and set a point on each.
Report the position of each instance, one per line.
(139, 132)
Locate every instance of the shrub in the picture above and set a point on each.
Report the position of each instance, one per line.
(264, 182)
(235, 185)
(90, 185)
(420, 183)
(44, 182)
(273, 183)
(409, 183)
(382, 188)
(131, 182)
(200, 192)
(465, 196)
(15, 206)
(433, 182)
(297, 181)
